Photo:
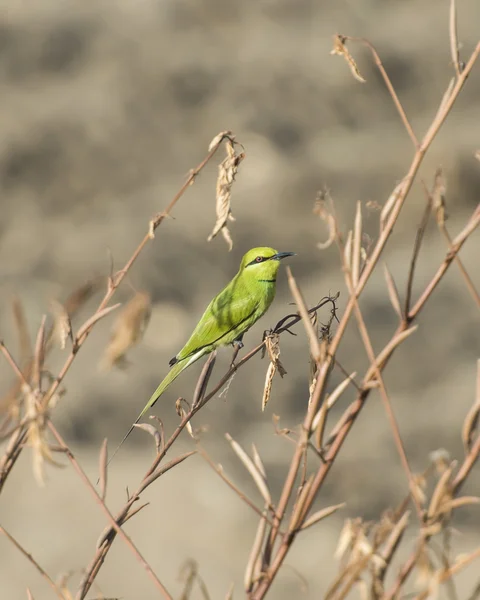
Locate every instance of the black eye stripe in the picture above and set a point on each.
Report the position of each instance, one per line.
(258, 260)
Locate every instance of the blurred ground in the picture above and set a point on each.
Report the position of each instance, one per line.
(105, 108)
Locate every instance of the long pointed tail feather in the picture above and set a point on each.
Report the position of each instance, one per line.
(170, 378)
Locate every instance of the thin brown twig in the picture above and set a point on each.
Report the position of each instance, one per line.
(455, 247)
(468, 280)
(388, 83)
(128, 541)
(453, 35)
(439, 119)
(27, 555)
(108, 537)
(388, 407)
(416, 251)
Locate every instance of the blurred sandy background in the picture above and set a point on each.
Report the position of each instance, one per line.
(105, 106)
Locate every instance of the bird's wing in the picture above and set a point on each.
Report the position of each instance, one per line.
(227, 316)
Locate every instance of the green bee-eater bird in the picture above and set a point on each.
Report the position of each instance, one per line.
(228, 316)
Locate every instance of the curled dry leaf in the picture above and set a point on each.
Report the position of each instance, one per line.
(341, 49)
(62, 325)
(321, 210)
(181, 412)
(218, 139)
(227, 171)
(128, 330)
(153, 431)
(272, 345)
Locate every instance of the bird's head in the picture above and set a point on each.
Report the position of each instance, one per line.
(263, 262)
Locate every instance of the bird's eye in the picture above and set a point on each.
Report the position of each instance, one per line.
(259, 259)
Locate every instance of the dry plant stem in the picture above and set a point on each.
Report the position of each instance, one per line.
(388, 409)
(356, 406)
(153, 472)
(388, 83)
(463, 271)
(347, 421)
(109, 516)
(454, 38)
(416, 251)
(117, 280)
(113, 285)
(460, 478)
(27, 555)
(240, 494)
(455, 247)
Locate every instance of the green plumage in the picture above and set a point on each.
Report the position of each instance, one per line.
(228, 316)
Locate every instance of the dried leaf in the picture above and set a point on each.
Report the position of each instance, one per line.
(182, 414)
(217, 140)
(470, 427)
(128, 330)
(393, 292)
(442, 492)
(39, 356)
(438, 196)
(258, 461)
(272, 345)
(257, 476)
(315, 349)
(322, 514)
(458, 502)
(341, 49)
(347, 253)
(251, 568)
(102, 469)
(36, 437)
(29, 594)
(357, 245)
(320, 209)
(298, 509)
(62, 325)
(227, 171)
(390, 203)
(153, 431)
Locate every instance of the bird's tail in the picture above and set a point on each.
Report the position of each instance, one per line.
(170, 378)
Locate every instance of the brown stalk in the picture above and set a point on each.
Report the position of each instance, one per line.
(388, 83)
(416, 251)
(79, 297)
(29, 557)
(438, 121)
(129, 543)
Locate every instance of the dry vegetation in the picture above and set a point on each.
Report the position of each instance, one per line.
(376, 558)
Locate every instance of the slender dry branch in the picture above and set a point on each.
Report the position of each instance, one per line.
(401, 194)
(109, 516)
(29, 557)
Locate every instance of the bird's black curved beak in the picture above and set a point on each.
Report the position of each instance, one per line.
(280, 255)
